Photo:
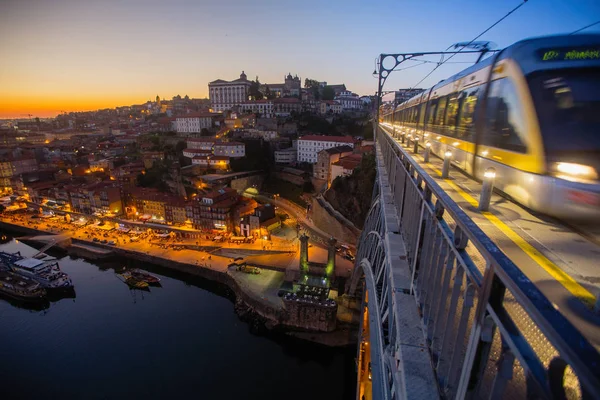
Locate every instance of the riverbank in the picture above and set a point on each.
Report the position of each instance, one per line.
(256, 296)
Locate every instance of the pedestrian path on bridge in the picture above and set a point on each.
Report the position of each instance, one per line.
(559, 258)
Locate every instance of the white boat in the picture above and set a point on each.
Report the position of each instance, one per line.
(46, 272)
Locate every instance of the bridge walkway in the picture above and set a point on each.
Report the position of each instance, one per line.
(560, 259)
(451, 315)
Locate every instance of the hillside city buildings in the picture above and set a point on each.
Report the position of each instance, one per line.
(171, 161)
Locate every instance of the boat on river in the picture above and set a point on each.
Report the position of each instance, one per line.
(133, 282)
(45, 271)
(20, 287)
(144, 277)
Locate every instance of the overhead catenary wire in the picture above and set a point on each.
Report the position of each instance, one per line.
(585, 27)
(471, 42)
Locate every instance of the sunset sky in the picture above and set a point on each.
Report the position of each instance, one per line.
(76, 55)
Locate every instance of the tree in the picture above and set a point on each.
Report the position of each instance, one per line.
(180, 146)
(269, 94)
(309, 83)
(316, 92)
(328, 93)
(205, 132)
(254, 90)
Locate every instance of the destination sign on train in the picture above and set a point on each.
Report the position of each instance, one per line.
(570, 54)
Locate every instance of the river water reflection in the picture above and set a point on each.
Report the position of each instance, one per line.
(181, 340)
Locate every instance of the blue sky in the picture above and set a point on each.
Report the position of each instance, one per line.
(66, 54)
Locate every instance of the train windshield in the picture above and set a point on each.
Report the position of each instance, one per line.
(568, 107)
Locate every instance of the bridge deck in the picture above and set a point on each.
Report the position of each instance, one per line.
(559, 259)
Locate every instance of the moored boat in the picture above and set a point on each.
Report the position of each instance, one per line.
(133, 282)
(144, 276)
(20, 287)
(46, 272)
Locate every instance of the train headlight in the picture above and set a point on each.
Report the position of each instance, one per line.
(572, 171)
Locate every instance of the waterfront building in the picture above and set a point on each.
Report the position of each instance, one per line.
(105, 198)
(150, 204)
(213, 210)
(260, 223)
(15, 166)
(94, 198)
(226, 94)
(175, 211)
(310, 145)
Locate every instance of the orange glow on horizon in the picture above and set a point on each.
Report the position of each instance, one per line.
(17, 106)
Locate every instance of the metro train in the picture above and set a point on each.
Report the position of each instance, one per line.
(531, 112)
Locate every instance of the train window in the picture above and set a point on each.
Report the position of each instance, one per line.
(451, 114)
(431, 111)
(505, 125)
(422, 113)
(439, 114)
(568, 108)
(468, 101)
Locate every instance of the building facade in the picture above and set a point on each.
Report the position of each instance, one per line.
(226, 94)
(215, 162)
(344, 166)
(291, 87)
(263, 107)
(191, 153)
(193, 123)
(206, 143)
(322, 168)
(349, 101)
(286, 156)
(229, 149)
(309, 146)
(175, 211)
(286, 106)
(214, 210)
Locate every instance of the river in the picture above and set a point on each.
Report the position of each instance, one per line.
(181, 340)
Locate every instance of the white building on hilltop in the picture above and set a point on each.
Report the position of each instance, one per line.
(226, 94)
(309, 146)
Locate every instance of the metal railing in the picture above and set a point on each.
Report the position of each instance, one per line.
(489, 330)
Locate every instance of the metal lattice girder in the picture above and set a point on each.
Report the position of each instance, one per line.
(396, 59)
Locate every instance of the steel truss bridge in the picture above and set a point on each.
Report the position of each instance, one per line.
(446, 313)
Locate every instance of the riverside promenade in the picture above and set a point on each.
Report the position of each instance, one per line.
(257, 294)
